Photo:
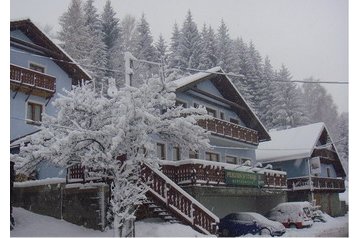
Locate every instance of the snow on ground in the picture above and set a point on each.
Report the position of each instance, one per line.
(33, 225)
(334, 227)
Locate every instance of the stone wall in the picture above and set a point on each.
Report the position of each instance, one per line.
(84, 205)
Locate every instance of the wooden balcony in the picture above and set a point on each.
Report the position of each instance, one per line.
(230, 130)
(318, 184)
(31, 82)
(199, 172)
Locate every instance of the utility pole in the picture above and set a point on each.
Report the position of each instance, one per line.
(128, 64)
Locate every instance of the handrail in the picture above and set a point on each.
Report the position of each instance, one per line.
(319, 183)
(178, 201)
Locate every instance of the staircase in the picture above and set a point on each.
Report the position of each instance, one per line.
(178, 203)
(165, 199)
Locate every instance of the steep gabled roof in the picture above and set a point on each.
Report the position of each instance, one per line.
(230, 93)
(298, 143)
(294, 143)
(43, 42)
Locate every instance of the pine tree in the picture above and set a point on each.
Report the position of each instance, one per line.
(341, 139)
(189, 49)
(265, 110)
(161, 49)
(144, 48)
(224, 48)
(112, 34)
(208, 57)
(73, 33)
(173, 55)
(287, 103)
(97, 50)
(319, 105)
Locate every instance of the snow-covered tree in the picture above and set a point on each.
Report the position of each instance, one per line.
(208, 58)
(144, 41)
(224, 47)
(173, 55)
(97, 48)
(287, 103)
(94, 130)
(161, 49)
(112, 36)
(128, 25)
(265, 110)
(189, 49)
(74, 34)
(341, 139)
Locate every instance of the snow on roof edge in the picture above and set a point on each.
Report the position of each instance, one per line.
(50, 39)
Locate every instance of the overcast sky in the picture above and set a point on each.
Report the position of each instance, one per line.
(309, 36)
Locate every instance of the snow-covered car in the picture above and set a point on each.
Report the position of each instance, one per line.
(267, 227)
(318, 216)
(230, 225)
(292, 214)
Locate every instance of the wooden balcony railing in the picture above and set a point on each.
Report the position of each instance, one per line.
(318, 183)
(31, 81)
(230, 130)
(199, 172)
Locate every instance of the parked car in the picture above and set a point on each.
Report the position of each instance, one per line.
(292, 214)
(230, 225)
(317, 216)
(267, 227)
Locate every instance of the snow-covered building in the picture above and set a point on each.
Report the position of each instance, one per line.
(39, 71)
(309, 156)
(225, 178)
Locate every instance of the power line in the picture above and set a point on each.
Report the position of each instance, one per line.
(182, 68)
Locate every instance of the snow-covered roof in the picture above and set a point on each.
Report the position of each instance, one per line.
(294, 143)
(227, 88)
(192, 78)
(33, 31)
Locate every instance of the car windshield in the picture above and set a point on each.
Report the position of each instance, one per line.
(251, 217)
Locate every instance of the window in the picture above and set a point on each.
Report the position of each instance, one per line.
(161, 151)
(235, 121)
(231, 159)
(176, 153)
(211, 112)
(222, 116)
(178, 103)
(37, 67)
(34, 112)
(212, 156)
(193, 154)
(328, 173)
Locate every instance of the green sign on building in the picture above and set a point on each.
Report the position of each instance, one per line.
(239, 178)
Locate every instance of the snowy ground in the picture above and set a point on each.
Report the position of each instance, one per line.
(33, 225)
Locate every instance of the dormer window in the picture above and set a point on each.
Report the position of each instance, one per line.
(37, 67)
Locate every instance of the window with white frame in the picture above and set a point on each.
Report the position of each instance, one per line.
(34, 112)
(37, 67)
(176, 153)
(231, 159)
(161, 151)
(212, 156)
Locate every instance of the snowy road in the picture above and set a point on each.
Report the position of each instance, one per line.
(33, 225)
